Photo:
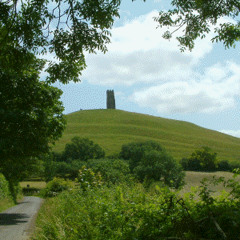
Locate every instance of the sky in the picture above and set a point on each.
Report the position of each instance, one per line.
(150, 75)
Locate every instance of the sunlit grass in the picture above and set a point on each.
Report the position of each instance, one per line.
(113, 128)
(33, 184)
(6, 203)
(193, 180)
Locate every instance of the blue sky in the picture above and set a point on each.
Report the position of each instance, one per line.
(150, 75)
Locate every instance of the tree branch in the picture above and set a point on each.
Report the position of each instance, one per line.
(218, 227)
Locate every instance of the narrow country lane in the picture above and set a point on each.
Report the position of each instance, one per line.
(17, 222)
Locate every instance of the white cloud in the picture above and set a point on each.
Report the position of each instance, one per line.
(235, 133)
(171, 80)
(138, 53)
(215, 91)
(138, 67)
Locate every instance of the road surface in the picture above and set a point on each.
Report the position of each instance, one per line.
(17, 222)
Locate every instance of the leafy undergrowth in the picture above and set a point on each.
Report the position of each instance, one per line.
(123, 212)
(5, 198)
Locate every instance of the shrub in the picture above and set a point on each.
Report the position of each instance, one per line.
(49, 167)
(134, 152)
(234, 165)
(4, 188)
(56, 186)
(6, 198)
(133, 213)
(82, 149)
(224, 166)
(201, 160)
(159, 166)
(87, 179)
(69, 170)
(149, 161)
(112, 170)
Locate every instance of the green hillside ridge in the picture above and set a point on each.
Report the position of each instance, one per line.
(112, 128)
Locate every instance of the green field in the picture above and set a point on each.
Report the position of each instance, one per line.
(192, 179)
(33, 184)
(112, 128)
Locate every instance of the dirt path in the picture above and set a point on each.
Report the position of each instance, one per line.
(16, 223)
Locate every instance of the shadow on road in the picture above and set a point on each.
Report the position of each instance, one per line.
(13, 218)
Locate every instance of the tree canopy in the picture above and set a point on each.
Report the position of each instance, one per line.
(203, 159)
(67, 29)
(150, 161)
(135, 151)
(195, 18)
(31, 112)
(82, 149)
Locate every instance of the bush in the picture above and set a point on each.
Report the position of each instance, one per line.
(149, 161)
(4, 188)
(234, 165)
(224, 166)
(134, 152)
(56, 186)
(133, 213)
(55, 168)
(69, 170)
(159, 166)
(87, 179)
(82, 149)
(201, 160)
(6, 198)
(112, 170)
(49, 167)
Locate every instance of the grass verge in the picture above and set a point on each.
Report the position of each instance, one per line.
(6, 203)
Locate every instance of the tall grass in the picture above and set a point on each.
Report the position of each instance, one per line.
(106, 213)
(132, 212)
(6, 203)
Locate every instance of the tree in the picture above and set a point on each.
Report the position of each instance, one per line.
(134, 152)
(201, 160)
(112, 170)
(196, 17)
(30, 111)
(149, 160)
(67, 29)
(82, 149)
(224, 166)
(160, 166)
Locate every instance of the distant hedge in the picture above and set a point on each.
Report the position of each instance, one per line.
(205, 160)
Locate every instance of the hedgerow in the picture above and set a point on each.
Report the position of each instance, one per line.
(6, 200)
(124, 213)
(4, 188)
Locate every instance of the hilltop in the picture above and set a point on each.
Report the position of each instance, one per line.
(112, 128)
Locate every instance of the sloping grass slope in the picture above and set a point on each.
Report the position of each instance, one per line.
(113, 128)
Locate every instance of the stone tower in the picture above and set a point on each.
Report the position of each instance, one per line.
(110, 100)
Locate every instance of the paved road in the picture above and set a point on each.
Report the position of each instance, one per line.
(17, 222)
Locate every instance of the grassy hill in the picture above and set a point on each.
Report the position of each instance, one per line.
(112, 128)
